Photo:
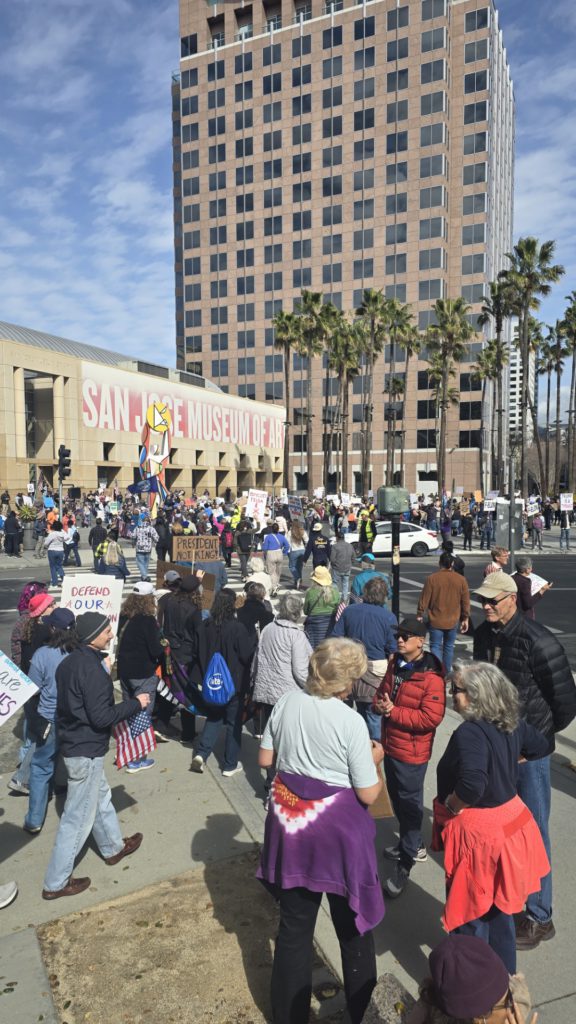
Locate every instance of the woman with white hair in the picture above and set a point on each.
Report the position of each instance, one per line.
(526, 599)
(319, 837)
(487, 832)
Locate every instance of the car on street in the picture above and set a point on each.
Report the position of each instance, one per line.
(414, 540)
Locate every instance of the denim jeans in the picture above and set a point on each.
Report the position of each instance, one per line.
(231, 717)
(373, 721)
(565, 537)
(71, 549)
(291, 987)
(88, 809)
(535, 790)
(41, 775)
(405, 784)
(56, 561)
(497, 929)
(26, 753)
(296, 564)
(143, 561)
(442, 644)
(342, 581)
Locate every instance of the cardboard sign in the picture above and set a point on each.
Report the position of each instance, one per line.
(294, 505)
(208, 580)
(192, 548)
(256, 504)
(93, 593)
(566, 502)
(15, 688)
(478, 496)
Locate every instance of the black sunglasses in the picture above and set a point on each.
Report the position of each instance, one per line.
(406, 636)
(493, 601)
(456, 689)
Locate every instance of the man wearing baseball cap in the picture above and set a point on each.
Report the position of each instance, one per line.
(412, 701)
(535, 662)
(85, 715)
(367, 572)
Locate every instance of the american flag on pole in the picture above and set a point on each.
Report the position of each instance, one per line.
(134, 738)
(340, 610)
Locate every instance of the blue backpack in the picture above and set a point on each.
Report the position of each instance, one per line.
(217, 685)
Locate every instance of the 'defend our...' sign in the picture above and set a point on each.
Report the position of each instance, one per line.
(15, 688)
(188, 548)
(93, 593)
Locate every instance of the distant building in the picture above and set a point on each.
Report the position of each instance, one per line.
(515, 377)
(55, 391)
(332, 146)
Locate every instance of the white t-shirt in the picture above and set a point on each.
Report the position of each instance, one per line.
(321, 739)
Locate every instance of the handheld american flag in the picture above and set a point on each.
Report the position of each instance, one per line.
(134, 738)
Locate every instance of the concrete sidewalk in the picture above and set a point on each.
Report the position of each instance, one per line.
(190, 820)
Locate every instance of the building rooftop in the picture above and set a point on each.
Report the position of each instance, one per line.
(94, 354)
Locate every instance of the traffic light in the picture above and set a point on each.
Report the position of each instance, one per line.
(63, 462)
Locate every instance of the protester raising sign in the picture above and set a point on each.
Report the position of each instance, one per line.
(188, 548)
(256, 504)
(15, 688)
(566, 502)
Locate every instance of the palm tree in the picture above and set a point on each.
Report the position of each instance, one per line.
(485, 371)
(312, 331)
(374, 312)
(529, 277)
(559, 352)
(400, 327)
(411, 342)
(535, 343)
(545, 367)
(332, 318)
(344, 360)
(286, 338)
(496, 309)
(395, 388)
(569, 328)
(446, 341)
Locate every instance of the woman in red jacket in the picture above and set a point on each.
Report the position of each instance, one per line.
(412, 701)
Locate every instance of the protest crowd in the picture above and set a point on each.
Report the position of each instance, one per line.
(344, 699)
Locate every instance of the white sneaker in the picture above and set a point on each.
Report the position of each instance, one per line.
(233, 771)
(197, 764)
(8, 894)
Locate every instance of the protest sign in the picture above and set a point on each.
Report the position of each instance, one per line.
(208, 580)
(283, 495)
(489, 505)
(93, 593)
(536, 583)
(319, 493)
(531, 507)
(48, 502)
(345, 499)
(492, 495)
(294, 505)
(195, 548)
(478, 496)
(459, 490)
(113, 507)
(566, 502)
(15, 688)
(256, 504)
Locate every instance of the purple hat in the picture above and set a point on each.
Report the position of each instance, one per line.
(469, 977)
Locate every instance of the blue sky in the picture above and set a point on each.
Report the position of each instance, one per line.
(85, 175)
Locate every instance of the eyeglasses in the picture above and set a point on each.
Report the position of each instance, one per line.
(456, 689)
(493, 601)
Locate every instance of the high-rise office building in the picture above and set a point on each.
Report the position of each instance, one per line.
(334, 146)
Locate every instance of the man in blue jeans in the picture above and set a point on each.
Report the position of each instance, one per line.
(536, 664)
(85, 715)
(445, 601)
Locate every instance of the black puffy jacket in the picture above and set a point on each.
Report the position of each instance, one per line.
(535, 662)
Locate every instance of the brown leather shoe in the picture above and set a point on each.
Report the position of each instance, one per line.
(130, 846)
(72, 888)
(530, 933)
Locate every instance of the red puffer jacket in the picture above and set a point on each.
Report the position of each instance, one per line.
(419, 706)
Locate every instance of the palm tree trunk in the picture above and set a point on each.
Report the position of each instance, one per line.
(548, 396)
(333, 430)
(571, 423)
(481, 445)
(345, 404)
(309, 455)
(325, 425)
(287, 398)
(525, 365)
(500, 419)
(558, 414)
(442, 438)
(534, 415)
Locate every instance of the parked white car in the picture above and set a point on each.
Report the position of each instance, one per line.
(414, 540)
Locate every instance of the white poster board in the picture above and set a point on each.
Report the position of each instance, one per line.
(536, 583)
(459, 491)
(15, 688)
(532, 508)
(319, 492)
(566, 502)
(489, 505)
(492, 495)
(284, 495)
(345, 499)
(256, 504)
(93, 593)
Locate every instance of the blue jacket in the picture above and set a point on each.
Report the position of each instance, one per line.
(372, 625)
(362, 578)
(42, 671)
(276, 542)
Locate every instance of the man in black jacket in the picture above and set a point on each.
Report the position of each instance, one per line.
(97, 534)
(85, 715)
(535, 662)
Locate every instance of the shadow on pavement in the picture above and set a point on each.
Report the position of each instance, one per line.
(211, 845)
